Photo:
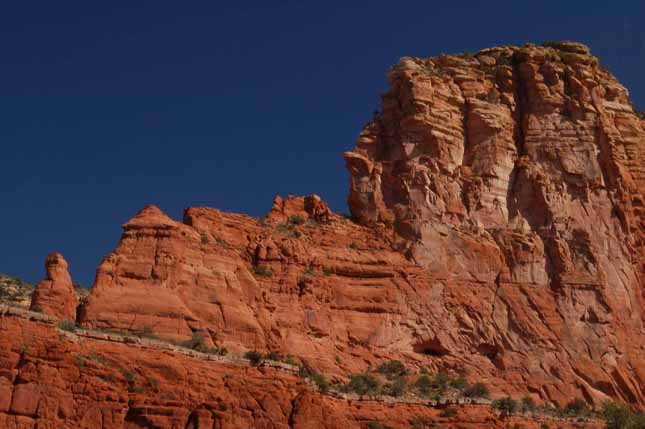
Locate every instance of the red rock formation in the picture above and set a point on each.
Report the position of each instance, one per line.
(55, 294)
(51, 380)
(515, 177)
(499, 208)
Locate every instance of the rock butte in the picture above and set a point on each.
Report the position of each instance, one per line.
(498, 226)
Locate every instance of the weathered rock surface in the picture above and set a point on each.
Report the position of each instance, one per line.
(52, 380)
(15, 291)
(55, 294)
(499, 227)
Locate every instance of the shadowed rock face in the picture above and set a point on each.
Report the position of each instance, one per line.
(55, 294)
(499, 233)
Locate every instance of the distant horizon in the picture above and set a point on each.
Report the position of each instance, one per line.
(108, 108)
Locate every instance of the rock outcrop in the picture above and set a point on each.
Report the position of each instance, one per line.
(55, 294)
(498, 232)
(50, 379)
(515, 176)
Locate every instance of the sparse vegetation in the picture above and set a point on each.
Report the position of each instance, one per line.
(309, 272)
(274, 356)
(254, 357)
(424, 385)
(296, 220)
(576, 407)
(262, 271)
(198, 343)
(528, 404)
(396, 387)
(507, 405)
(320, 381)
(353, 245)
(96, 358)
(204, 238)
(477, 390)
(362, 384)
(392, 369)
(620, 416)
(146, 332)
(80, 361)
(67, 325)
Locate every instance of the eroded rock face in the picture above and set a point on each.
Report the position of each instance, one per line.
(50, 380)
(500, 234)
(55, 294)
(515, 176)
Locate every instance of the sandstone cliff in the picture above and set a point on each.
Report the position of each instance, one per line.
(497, 232)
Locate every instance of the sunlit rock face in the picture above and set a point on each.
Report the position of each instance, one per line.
(515, 176)
(497, 232)
(55, 294)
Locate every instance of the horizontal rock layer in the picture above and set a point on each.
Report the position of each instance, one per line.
(51, 380)
(497, 232)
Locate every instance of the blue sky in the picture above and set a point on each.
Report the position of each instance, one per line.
(109, 106)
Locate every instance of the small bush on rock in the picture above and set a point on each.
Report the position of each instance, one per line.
(477, 390)
(67, 325)
(363, 384)
(255, 357)
(392, 369)
(506, 405)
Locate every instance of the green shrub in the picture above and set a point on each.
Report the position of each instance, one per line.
(67, 325)
(96, 358)
(204, 238)
(576, 407)
(506, 405)
(616, 416)
(275, 356)
(196, 342)
(255, 357)
(309, 272)
(477, 390)
(320, 381)
(353, 245)
(363, 384)
(528, 404)
(136, 389)
(396, 387)
(441, 380)
(147, 332)
(263, 271)
(392, 369)
(459, 383)
(424, 385)
(296, 220)
(129, 375)
(37, 309)
(80, 360)
(545, 426)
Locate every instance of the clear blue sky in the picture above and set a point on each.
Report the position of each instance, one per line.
(108, 106)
